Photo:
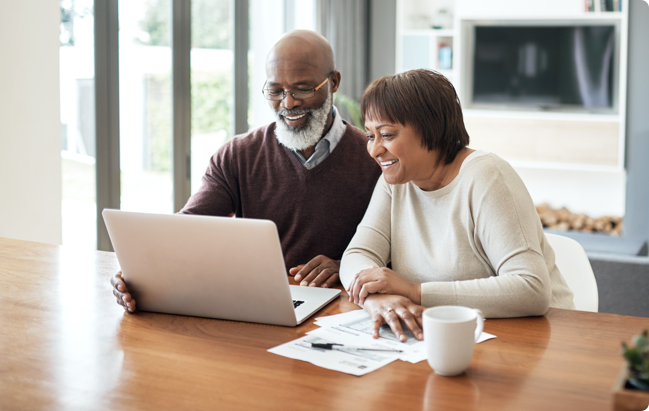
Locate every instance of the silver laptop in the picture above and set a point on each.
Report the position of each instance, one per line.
(216, 267)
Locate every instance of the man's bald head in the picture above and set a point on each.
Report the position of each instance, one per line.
(302, 48)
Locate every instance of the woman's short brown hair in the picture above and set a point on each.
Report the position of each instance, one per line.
(424, 100)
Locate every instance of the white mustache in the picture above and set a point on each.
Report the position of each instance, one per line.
(286, 112)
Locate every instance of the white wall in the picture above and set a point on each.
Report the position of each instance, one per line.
(30, 128)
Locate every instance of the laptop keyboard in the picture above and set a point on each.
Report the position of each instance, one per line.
(297, 303)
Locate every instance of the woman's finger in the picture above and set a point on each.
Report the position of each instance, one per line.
(417, 312)
(369, 288)
(349, 288)
(358, 284)
(377, 322)
(393, 321)
(353, 289)
(411, 323)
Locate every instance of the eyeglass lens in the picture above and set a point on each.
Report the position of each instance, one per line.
(299, 94)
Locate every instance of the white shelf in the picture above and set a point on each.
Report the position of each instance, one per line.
(429, 32)
(548, 19)
(541, 115)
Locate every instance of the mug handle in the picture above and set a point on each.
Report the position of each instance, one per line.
(479, 324)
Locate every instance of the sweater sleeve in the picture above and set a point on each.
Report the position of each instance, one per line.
(370, 246)
(218, 194)
(508, 238)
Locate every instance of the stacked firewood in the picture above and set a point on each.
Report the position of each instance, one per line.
(563, 220)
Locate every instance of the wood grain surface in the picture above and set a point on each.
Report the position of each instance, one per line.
(66, 345)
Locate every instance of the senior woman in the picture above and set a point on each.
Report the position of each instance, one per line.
(456, 225)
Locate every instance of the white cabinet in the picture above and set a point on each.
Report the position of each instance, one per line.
(581, 145)
(517, 131)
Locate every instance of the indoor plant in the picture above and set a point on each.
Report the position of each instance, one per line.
(637, 358)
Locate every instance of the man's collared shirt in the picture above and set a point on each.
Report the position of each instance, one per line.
(327, 144)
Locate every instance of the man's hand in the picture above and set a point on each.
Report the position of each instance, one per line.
(321, 271)
(123, 296)
(391, 310)
(382, 281)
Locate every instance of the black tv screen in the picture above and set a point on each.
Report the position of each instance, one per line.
(546, 67)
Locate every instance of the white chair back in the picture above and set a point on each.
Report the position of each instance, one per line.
(573, 264)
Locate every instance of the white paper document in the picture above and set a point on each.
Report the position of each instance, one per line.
(353, 362)
(354, 329)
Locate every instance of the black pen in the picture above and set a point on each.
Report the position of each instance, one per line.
(333, 346)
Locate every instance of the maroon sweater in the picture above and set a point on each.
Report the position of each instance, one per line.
(316, 211)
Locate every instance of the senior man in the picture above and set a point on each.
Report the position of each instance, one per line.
(309, 171)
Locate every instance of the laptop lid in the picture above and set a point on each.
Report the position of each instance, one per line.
(217, 267)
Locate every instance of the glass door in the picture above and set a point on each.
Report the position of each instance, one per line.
(78, 151)
(145, 106)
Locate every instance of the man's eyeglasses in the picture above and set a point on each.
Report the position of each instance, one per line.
(296, 93)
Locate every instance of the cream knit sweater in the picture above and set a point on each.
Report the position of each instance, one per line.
(476, 242)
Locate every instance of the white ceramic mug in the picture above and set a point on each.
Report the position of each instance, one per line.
(450, 333)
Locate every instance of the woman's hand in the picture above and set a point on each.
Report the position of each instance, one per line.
(120, 291)
(382, 281)
(321, 271)
(391, 310)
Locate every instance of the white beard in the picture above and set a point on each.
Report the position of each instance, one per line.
(307, 135)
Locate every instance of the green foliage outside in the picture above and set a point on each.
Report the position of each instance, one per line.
(157, 122)
(210, 91)
(210, 105)
(156, 23)
(210, 23)
(210, 112)
(351, 108)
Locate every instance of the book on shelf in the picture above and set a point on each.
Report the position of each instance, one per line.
(597, 6)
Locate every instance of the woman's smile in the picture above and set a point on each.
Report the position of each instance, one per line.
(386, 164)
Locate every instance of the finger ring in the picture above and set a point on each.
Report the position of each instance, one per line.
(390, 310)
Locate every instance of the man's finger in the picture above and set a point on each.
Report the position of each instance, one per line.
(308, 267)
(311, 276)
(295, 270)
(323, 277)
(331, 281)
(304, 272)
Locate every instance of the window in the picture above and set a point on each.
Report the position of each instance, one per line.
(211, 83)
(137, 35)
(77, 85)
(145, 106)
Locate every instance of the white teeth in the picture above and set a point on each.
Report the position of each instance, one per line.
(387, 163)
(296, 117)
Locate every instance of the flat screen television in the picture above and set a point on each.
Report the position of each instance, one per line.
(569, 67)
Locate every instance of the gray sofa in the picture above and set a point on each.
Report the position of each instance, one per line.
(623, 283)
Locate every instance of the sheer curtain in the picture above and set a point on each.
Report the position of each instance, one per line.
(345, 24)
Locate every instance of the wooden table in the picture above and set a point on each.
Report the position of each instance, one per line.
(65, 344)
